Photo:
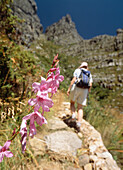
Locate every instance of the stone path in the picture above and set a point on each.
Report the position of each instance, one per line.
(99, 157)
(89, 152)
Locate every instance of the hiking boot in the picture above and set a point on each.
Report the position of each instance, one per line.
(73, 119)
(77, 128)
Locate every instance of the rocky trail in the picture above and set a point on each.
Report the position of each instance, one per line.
(62, 148)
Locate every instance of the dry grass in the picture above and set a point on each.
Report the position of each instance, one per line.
(28, 160)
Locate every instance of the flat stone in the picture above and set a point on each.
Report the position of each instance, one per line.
(92, 148)
(93, 158)
(100, 163)
(72, 168)
(88, 167)
(63, 142)
(56, 124)
(83, 160)
(104, 168)
(38, 146)
(104, 155)
(111, 164)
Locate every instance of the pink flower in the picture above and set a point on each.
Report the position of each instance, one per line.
(52, 70)
(36, 86)
(58, 77)
(35, 116)
(54, 80)
(55, 61)
(41, 100)
(23, 132)
(40, 86)
(4, 151)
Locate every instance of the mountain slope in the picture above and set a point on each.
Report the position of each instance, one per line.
(104, 54)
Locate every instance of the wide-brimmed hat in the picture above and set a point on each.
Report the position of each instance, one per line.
(84, 64)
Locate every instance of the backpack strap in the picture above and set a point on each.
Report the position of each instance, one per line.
(85, 72)
(80, 73)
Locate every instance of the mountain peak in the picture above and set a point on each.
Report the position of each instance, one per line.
(67, 19)
(63, 32)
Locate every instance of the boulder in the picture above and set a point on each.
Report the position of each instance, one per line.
(63, 142)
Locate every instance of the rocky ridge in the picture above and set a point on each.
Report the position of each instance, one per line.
(63, 32)
(31, 28)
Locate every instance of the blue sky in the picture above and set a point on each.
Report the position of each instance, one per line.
(91, 17)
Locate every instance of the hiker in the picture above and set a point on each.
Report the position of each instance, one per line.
(78, 92)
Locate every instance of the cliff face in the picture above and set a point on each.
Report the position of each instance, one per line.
(119, 40)
(63, 32)
(31, 27)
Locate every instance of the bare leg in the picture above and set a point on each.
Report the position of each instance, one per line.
(72, 107)
(80, 113)
(79, 117)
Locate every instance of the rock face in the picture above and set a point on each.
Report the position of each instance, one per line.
(63, 32)
(108, 65)
(31, 28)
(102, 42)
(119, 39)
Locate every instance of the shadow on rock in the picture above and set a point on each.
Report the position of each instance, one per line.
(69, 121)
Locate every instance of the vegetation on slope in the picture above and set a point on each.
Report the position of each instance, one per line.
(18, 64)
(99, 111)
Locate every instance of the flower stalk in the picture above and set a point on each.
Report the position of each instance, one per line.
(42, 100)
